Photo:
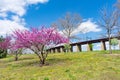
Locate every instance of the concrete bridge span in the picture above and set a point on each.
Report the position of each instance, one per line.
(60, 49)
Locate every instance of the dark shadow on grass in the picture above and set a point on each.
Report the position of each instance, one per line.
(25, 63)
(29, 61)
(53, 61)
(34, 62)
(26, 58)
(12, 59)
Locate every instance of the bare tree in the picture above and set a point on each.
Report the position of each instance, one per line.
(109, 19)
(117, 5)
(68, 24)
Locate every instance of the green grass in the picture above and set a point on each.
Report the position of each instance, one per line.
(65, 66)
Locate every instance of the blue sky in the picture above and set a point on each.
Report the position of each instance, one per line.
(23, 14)
(45, 14)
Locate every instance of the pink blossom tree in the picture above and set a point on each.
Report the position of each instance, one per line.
(37, 40)
(4, 45)
(17, 52)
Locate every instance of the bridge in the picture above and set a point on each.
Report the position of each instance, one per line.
(60, 49)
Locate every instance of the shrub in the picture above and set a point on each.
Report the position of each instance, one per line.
(114, 42)
(4, 43)
(3, 53)
(67, 47)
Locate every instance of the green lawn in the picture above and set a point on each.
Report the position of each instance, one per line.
(63, 66)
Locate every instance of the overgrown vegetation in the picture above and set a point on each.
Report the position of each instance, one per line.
(114, 42)
(67, 47)
(98, 65)
(3, 51)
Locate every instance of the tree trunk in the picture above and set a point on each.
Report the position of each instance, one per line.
(16, 57)
(110, 50)
(43, 58)
(42, 61)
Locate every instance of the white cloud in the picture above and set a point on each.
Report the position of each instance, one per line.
(3, 15)
(7, 26)
(18, 19)
(36, 1)
(87, 26)
(16, 8)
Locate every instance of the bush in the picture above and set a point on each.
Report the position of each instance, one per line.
(67, 47)
(46, 78)
(114, 42)
(3, 53)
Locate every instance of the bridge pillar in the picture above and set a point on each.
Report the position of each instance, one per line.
(71, 49)
(52, 51)
(61, 50)
(78, 48)
(103, 46)
(119, 43)
(89, 47)
(56, 51)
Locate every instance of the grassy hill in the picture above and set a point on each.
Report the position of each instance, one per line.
(63, 66)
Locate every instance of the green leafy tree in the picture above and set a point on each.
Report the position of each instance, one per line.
(3, 53)
(67, 47)
(4, 46)
(114, 42)
(91, 46)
